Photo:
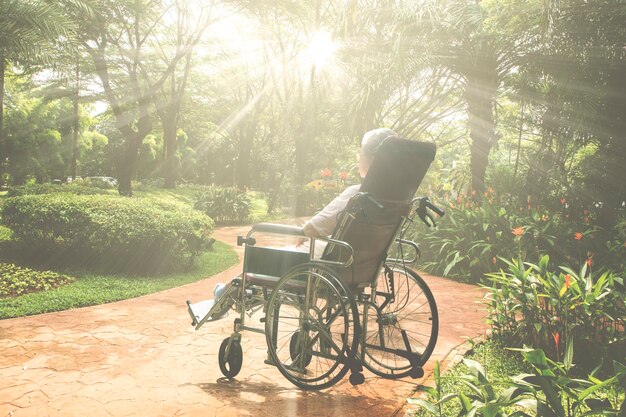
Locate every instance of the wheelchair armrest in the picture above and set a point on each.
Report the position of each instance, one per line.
(282, 229)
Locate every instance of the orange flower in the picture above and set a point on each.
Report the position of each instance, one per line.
(568, 279)
(556, 336)
(343, 175)
(518, 231)
(326, 173)
(494, 260)
(562, 201)
(578, 235)
(589, 261)
(491, 189)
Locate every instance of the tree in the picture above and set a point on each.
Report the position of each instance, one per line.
(191, 21)
(121, 38)
(29, 34)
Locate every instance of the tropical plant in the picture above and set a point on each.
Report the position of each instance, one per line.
(549, 392)
(530, 304)
(223, 205)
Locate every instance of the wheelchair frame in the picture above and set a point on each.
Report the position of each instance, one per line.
(354, 347)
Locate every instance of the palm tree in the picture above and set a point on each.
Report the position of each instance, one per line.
(30, 33)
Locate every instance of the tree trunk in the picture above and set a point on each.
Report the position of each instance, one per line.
(246, 141)
(480, 94)
(128, 164)
(75, 125)
(611, 185)
(2, 153)
(171, 145)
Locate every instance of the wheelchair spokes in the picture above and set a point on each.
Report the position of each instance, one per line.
(312, 333)
(402, 325)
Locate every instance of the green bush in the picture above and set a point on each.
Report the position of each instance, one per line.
(223, 204)
(549, 391)
(49, 188)
(472, 237)
(15, 281)
(110, 232)
(529, 304)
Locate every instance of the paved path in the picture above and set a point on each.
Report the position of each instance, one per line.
(140, 357)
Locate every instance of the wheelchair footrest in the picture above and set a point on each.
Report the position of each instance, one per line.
(198, 311)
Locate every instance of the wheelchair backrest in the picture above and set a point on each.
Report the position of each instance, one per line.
(397, 170)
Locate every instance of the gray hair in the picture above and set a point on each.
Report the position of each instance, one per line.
(373, 139)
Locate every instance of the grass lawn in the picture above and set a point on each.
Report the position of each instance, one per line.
(91, 289)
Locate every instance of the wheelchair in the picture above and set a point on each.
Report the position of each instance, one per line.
(358, 305)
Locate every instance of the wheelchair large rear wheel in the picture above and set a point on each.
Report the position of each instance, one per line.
(311, 327)
(402, 318)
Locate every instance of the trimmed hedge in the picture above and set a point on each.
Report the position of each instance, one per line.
(15, 280)
(49, 188)
(109, 232)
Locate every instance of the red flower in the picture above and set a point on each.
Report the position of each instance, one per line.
(556, 338)
(343, 175)
(589, 261)
(578, 235)
(562, 201)
(326, 173)
(518, 231)
(568, 279)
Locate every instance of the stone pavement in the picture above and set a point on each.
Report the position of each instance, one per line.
(141, 357)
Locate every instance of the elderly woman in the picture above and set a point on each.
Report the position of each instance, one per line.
(324, 222)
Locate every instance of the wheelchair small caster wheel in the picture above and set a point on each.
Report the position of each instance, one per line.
(357, 378)
(294, 349)
(231, 365)
(416, 372)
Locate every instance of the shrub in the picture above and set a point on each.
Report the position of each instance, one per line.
(529, 304)
(15, 280)
(470, 240)
(550, 391)
(224, 204)
(111, 232)
(49, 188)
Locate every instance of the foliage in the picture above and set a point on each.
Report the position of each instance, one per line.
(16, 281)
(108, 232)
(529, 304)
(550, 391)
(473, 236)
(91, 288)
(224, 204)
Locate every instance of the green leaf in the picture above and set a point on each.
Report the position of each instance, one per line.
(425, 404)
(536, 357)
(569, 352)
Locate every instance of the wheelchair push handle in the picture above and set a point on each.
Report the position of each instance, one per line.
(423, 211)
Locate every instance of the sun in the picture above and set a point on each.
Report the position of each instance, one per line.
(321, 50)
